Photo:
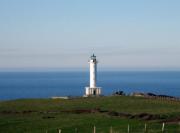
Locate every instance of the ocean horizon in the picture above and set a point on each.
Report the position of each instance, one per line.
(42, 84)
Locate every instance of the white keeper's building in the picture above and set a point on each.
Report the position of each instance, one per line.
(93, 90)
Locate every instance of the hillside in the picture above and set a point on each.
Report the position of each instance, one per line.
(81, 114)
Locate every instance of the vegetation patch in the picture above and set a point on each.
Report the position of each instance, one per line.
(82, 114)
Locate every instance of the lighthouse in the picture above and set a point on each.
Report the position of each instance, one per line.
(93, 90)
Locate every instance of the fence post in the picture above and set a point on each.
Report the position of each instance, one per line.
(111, 131)
(128, 128)
(145, 128)
(94, 129)
(59, 130)
(163, 127)
(76, 130)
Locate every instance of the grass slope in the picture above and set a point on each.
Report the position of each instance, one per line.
(41, 115)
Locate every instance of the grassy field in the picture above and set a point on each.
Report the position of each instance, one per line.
(81, 114)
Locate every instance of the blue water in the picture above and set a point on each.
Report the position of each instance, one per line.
(14, 85)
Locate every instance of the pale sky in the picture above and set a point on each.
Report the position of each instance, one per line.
(132, 34)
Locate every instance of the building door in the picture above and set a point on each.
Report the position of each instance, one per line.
(94, 92)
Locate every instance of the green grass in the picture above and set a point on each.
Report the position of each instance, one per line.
(38, 121)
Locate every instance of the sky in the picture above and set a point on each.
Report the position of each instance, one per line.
(60, 34)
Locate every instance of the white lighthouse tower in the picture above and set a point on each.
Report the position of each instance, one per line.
(92, 90)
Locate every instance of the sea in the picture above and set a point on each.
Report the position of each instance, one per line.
(17, 85)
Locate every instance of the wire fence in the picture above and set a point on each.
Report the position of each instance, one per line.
(129, 129)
